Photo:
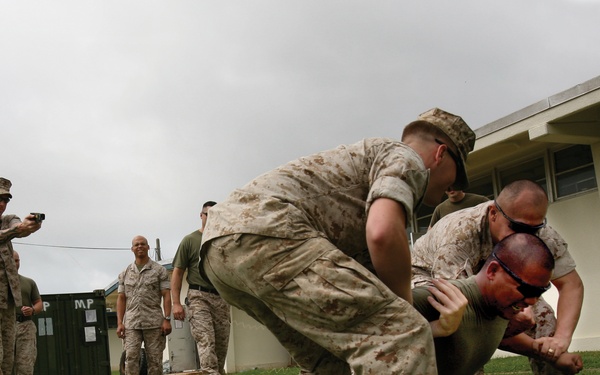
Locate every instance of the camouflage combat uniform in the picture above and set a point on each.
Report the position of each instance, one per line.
(10, 295)
(207, 312)
(458, 245)
(143, 315)
(25, 346)
(282, 249)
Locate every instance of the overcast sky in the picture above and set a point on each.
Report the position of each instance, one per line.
(121, 118)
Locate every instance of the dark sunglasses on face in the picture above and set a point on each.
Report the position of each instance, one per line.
(4, 199)
(527, 290)
(519, 227)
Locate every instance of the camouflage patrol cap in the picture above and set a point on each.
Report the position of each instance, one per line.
(5, 187)
(461, 135)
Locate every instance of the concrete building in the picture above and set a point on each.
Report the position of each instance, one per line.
(555, 142)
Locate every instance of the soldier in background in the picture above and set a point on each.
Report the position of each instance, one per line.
(208, 313)
(457, 200)
(25, 342)
(139, 316)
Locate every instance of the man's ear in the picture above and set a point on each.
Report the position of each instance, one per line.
(492, 270)
(439, 153)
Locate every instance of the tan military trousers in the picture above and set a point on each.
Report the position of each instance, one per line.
(327, 310)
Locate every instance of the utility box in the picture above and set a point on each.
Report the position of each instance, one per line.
(72, 335)
(182, 347)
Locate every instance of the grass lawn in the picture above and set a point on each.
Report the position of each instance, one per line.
(504, 366)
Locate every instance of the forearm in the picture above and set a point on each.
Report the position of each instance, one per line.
(570, 302)
(519, 344)
(392, 265)
(10, 233)
(167, 302)
(176, 281)
(388, 245)
(38, 306)
(121, 300)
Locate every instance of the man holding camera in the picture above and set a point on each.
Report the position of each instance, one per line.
(10, 291)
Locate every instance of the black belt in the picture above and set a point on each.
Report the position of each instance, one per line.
(202, 289)
(23, 318)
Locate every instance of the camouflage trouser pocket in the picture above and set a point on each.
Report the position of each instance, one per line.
(340, 290)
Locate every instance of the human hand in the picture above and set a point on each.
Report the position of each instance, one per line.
(450, 303)
(551, 348)
(27, 310)
(121, 331)
(178, 311)
(520, 322)
(166, 327)
(569, 363)
(28, 226)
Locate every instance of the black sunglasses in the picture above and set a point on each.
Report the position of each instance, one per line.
(4, 199)
(454, 157)
(519, 227)
(527, 290)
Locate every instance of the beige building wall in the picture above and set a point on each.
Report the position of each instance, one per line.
(577, 220)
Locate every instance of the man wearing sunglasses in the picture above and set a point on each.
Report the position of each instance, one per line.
(282, 248)
(512, 278)
(457, 246)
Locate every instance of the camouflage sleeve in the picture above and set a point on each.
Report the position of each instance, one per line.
(164, 279)
(121, 288)
(563, 261)
(8, 231)
(453, 262)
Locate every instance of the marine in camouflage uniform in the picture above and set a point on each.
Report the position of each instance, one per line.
(25, 344)
(10, 291)
(459, 243)
(282, 248)
(139, 315)
(207, 312)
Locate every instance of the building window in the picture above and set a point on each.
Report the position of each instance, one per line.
(530, 170)
(574, 170)
(482, 186)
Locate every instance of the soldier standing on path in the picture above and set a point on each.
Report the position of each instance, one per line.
(139, 315)
(207, 312)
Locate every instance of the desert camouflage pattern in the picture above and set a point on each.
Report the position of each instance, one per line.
(208, 315)
(324, 195)
(7, 339)
(328, 311)
(144, 315)
(154, 342)
(282, 247)
(25, 348)
(10, 294)
(545, 326)
(457, 246)
(143, 291)
(9, 276)
(454, 127)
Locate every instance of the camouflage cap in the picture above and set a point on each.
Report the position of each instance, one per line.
(5, 187)
(461, 135)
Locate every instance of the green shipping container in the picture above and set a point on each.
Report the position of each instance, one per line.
(72, 335)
